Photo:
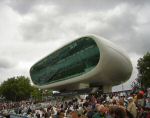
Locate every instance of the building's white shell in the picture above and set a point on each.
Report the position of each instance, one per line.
(113, 68)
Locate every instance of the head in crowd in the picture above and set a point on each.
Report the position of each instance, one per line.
(117, 112)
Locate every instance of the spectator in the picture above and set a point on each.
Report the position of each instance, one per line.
(132, 107)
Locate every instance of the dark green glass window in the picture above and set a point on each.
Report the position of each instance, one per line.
(70, 61)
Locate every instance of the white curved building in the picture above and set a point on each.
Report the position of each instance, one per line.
(89, 61)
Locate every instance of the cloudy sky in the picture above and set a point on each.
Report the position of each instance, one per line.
(31, 29)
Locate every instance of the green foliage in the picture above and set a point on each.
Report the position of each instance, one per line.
(143, 67)
(36, 94)
(16, 88)
(40, 94)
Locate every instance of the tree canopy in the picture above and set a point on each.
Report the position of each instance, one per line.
(19, 88)
(143, 67)
(16, 88)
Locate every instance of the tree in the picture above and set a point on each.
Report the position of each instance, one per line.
(16, 88)
(143, 67)
(40, 94)
(36, 94)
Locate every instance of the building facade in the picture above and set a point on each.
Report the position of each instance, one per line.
(89, 61)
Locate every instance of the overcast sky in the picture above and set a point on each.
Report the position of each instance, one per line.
(31, 29)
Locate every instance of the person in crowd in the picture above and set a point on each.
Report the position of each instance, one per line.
(132, 107)
(117, 112)
(99, 111)
(90, 112)
(94, 106)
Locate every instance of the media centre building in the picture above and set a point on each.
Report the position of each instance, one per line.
(88, 61)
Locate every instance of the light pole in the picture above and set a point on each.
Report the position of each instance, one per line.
(122, 87)
(46, 94)
(41, 93)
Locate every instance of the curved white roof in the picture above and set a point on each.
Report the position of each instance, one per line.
(113, 68)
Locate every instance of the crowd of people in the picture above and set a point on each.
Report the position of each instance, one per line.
(93, 106)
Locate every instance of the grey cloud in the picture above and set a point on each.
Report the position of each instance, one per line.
(5, 63)
(22, 6)
(141, 43)
(118, 28)
(121, 29)
(41, 30)
(88, 5)
(69, 6)
(66, 6)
